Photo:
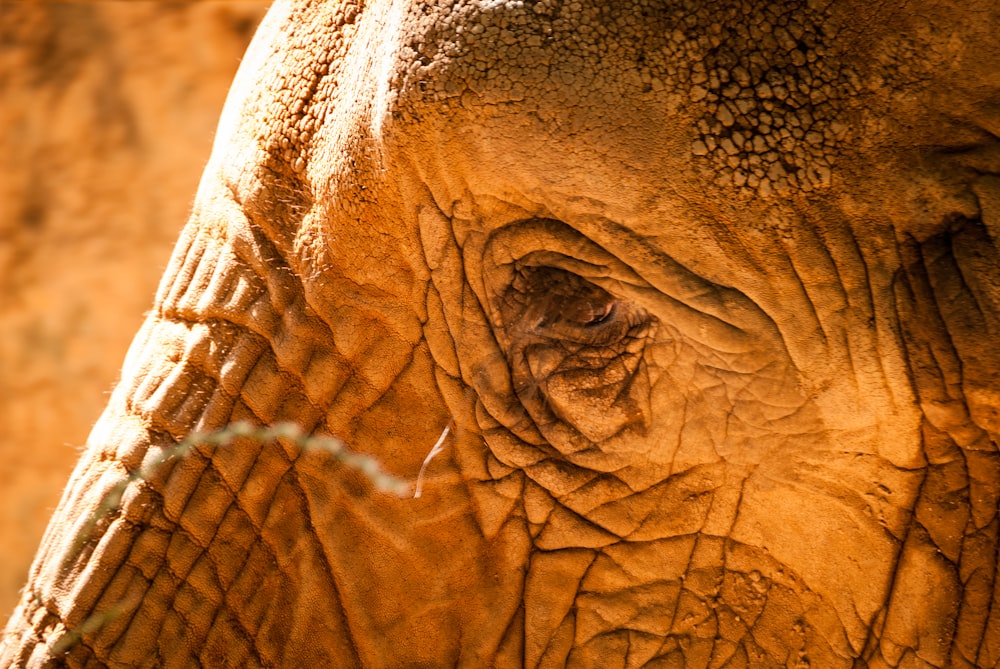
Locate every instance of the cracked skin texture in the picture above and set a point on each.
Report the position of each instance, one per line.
(707, 291)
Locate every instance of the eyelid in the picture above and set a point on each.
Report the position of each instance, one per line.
(554, 305)
(608, 312)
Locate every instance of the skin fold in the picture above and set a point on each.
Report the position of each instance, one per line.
(707, 293)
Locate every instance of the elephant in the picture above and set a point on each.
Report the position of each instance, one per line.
(693, 303)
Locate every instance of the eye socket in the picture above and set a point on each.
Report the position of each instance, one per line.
(551, 303)
(575, 353)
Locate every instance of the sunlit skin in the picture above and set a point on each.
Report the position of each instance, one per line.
(704, 294)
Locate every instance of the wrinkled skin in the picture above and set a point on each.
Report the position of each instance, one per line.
(708, 292)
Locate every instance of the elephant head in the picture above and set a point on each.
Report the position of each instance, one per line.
(705, 291)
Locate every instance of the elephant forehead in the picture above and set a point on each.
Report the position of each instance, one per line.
(755, 98)
(735, 83)
(752, 97)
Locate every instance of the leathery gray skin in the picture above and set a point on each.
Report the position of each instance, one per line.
(707, 291)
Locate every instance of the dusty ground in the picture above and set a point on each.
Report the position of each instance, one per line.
(106, 122)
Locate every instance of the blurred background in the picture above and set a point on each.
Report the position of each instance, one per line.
(107, 113)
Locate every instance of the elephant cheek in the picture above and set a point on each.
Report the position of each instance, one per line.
(587, 408)
(838, 550)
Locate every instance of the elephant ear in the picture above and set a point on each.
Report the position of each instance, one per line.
(948, 301)
(977, 251)
(944, 203)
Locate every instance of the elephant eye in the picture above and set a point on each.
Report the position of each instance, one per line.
(572, 306)
(553, 303)
(575, 351)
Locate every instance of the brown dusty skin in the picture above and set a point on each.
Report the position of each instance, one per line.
(107, 117)
(707, 292)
